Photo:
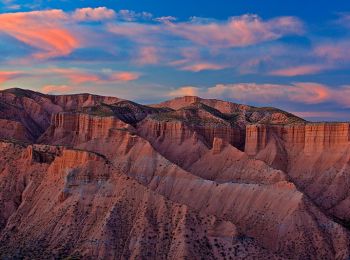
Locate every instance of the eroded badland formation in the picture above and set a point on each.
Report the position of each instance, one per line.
(95, 177)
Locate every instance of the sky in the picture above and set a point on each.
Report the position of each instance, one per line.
(294, 55)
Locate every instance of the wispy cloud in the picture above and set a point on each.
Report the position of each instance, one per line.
(77, 76)
(237, 31)
(300, 70)
(334, 51)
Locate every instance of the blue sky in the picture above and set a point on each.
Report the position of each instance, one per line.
(293, 55)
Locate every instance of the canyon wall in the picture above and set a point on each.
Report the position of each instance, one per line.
(71, 128)
(310, 138)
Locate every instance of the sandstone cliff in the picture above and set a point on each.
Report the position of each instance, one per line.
(93, 177)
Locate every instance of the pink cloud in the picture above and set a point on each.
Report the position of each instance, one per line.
(77, 76)
(310, 93)
(299, 70)
(203, 66)
(53, 89)
(124, 76)
(93, 14)
(42, 30)
(147, 55)
(8, 75)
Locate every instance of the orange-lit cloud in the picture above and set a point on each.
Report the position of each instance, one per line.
(54, 89)
(42, 30)
(310, 93)
(185, 91)
(93, 14)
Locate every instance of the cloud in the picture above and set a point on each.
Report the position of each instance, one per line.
(129, 15)
(93, 14)
(298, 93)
(42, 30)
(335, 51)
(8, 75)
(344, 20)
(147, 55)
(124, 76)
(137, 32)
(342, 96)
(203, 66)
(300, 70)
(238, 31)
(185, 91)
(318, 114)
(55, 89)
(76, 76)
(215, 40)
(165, 19)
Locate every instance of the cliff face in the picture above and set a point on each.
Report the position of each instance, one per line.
(72, 128)
(311, 138)
(93, 177)
(315, 156)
